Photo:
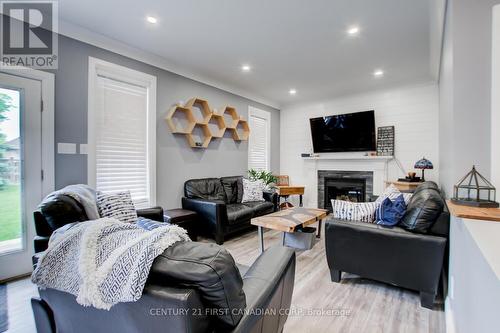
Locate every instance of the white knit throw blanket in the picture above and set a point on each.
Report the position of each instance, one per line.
(103, 262)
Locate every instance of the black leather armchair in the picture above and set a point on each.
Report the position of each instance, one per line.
(191, 287)
(393, 255)
(175, 307)
(218, 204)
(59, 209)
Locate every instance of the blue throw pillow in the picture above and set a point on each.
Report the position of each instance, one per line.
(389, 213)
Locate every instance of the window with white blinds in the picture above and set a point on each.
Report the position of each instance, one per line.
(259, 142)
(123, 147)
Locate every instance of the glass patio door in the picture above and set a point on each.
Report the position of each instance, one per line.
(20, 171)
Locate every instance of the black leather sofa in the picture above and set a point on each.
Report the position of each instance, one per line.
(191, 287)
(398, 256)
(218, 203)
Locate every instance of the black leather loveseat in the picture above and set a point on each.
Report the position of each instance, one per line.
(191, 287)
(410, 259)
(218, 204)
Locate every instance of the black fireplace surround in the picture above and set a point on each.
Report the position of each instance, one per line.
(355, 186)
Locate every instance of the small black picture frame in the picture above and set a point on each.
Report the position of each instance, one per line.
(385, 141)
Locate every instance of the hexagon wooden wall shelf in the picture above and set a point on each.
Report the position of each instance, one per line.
(234, 116)
(173, 112)
(241, 131)
(238, 127)
(206, 137)
(204, 108)
(218, 121)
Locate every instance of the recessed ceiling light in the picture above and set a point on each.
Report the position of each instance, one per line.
(246, 68)
(151, 19)
(353, 31)
(292, 91)
(378, 73)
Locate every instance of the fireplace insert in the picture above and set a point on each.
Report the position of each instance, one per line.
(348, 189)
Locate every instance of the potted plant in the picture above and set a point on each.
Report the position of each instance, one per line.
(267, 178)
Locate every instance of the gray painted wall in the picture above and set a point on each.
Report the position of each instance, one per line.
(176, 161)
(465, 90)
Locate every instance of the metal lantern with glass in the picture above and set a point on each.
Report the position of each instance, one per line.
(474, 190)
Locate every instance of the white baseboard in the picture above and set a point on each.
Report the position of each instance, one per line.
(448, 316)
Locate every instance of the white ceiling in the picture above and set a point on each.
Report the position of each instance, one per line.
(299, 44)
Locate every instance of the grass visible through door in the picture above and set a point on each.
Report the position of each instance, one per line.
(10, 212)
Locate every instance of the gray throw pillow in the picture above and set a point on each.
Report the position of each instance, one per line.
(253, 190)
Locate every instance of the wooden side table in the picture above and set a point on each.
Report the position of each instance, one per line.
(286, 191)
(408, 187)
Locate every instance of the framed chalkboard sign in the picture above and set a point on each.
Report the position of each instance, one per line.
(385, 141)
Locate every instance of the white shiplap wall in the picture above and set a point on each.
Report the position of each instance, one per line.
(412, 110)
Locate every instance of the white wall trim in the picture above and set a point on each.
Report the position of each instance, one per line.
(495, 99)
(98, 67)
(48, 130)
(113, 45)
(437, 25)
(254, 112)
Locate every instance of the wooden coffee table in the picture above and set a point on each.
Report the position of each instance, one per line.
(289, 220)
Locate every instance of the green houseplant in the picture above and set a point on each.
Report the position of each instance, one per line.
(267, 177)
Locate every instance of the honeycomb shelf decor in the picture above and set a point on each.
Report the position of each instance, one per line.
(204, 108)
(231, 112)
(216, 125)
(180, 119)
(204, 137)
(241, 131)
(200, 124)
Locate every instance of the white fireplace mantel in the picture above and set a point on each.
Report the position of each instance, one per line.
(353, 158)
(376, 164)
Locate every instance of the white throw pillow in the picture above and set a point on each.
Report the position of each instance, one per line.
(366, 212)
(253, 190)
(392, 193)
(118, 205)
(354, 211)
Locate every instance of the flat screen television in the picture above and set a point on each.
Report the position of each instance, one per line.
(344, 132)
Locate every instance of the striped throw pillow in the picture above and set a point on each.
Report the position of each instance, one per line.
(343, 210)
(354, 211)
(392, 193)
(366, 211)
(117, 205)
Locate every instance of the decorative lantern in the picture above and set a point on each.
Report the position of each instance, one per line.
(472, 189)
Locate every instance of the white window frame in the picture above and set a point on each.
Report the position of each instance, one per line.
(258, 113)
(98, 67)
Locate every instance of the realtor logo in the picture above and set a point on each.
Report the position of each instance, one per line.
(29, 34)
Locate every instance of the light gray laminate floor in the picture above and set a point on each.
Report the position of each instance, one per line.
(355, 305)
